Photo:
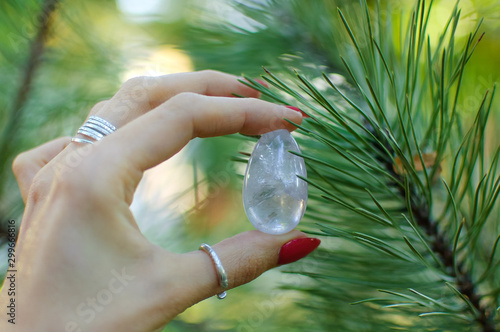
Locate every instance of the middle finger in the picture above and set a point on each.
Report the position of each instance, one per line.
(139, 95)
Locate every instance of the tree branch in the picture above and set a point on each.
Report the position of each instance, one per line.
(37, 48)
(439, 243)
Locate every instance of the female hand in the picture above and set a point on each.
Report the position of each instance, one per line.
(82, 263)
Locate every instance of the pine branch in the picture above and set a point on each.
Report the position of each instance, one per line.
(393, 139)
(14, 118)
(440, 244)
(375, 145)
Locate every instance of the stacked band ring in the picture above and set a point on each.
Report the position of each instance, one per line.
(221, 273)
(95, 128)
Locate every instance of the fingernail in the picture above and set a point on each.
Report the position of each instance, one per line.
(261, 82)
(296, 109)
(296, 249)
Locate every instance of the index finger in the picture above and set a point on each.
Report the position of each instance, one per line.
(156, 136)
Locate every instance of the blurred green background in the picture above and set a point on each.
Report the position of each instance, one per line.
(55, 66)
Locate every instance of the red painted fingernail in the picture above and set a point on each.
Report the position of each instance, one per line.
(296, 249)
(261, 82)
(297, 110)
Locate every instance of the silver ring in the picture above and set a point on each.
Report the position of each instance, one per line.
(103, 122)
(92, 125)
(95, 128)
(221, 273)
(90, 133)
(81, 140)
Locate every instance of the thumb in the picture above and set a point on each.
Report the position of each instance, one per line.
(244, 257)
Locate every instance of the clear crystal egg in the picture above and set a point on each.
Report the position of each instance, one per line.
(273, 196)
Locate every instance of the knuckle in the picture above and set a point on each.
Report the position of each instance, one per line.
(20, 162)
(210, 72)
(136, 91)
(210, 75)
(184, 98)
(135, 82)
(253, 104)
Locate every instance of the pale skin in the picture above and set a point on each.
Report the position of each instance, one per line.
(78, 232)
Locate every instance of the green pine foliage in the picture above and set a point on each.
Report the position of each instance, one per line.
(404, 182)
(403, 172)
(404, 189)
(266, 33)
(51, 75)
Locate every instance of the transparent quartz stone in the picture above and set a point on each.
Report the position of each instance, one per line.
(273, 196)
